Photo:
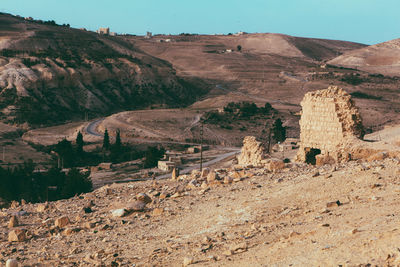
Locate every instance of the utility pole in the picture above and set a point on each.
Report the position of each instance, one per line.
(201, 147)
(4, 149)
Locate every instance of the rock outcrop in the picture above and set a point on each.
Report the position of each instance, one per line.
(329, 122)
(253, 152)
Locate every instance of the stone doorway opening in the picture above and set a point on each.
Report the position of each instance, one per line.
(310, 155)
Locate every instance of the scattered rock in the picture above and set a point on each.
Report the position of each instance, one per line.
(227, 252)
(42, 207)
(177, 194)
(13, 222)
(70, 231)
(136, 205)
(195, 174)
(275, 165)
(205, 172)
(353, 231)
(228, 180)
(187, 261)
(90, 225)
(158, 211)
(143, 197)
(175, 174)
(62, 222)
(192, 184)
(204, 185)
(164, 195)
(119, 212)
(17, 235)
(12, 263)
(212, 176)
(237, 248)
(315, 174)
(333, 204)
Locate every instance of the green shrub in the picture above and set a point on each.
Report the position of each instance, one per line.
(358, 94)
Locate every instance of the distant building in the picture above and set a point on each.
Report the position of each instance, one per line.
(193, 149)
(197, 149)
(105, 31)
(240, 33)
(149, 35)
(166, 165)
(113, 34)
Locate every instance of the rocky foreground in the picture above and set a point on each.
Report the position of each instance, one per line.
(346, 214)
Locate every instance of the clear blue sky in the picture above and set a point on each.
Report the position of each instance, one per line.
(364, 21)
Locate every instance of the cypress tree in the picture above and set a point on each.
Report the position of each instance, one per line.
(278, 131)
(106, 140)
(79, 142)
(118, 139)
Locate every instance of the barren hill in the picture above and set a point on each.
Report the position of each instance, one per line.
(51, 73)
(269, 66)
(383, 58)
(273, 68)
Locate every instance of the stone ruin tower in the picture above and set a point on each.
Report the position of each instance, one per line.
(253, 152)
(329, 123)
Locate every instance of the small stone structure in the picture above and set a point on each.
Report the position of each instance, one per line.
(329, 123)
(253, 152)
(166, 165)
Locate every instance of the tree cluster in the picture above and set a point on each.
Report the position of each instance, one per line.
(152, 156)
(237, 110)
(23, 182)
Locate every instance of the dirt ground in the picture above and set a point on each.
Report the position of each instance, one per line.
(290, 218)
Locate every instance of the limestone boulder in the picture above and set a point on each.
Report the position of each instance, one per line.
(212, 176)
(13, 222)
(136, 206)
(275, 165)
(143, 197)
(62, 222)
(17, 235)
(205, 172)
(12, 263)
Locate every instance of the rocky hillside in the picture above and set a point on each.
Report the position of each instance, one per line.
(302, 216)
(51, 73)
(383, 58)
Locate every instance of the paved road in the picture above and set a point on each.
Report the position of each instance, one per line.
(184, 171)
(91, 128)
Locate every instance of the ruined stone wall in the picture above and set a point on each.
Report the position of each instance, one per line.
(329, 120)
(253, 152)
